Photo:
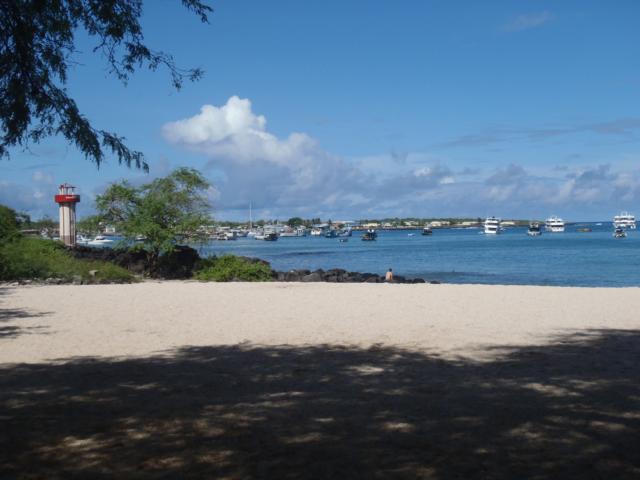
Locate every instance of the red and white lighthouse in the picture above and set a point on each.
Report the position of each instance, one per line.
(67, 200)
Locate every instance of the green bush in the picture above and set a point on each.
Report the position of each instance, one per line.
(35, 258)
(8, 223)
(230, 267)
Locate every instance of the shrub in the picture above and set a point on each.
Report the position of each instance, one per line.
(230, 267)
(35, 258)
(8, 223)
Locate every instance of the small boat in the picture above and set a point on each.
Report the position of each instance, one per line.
(534, 230)
(343, 240)
(100, 240)
(331, 234)
(267, 237)
(345, 232)
(427, 231)
(410, 234)
(82, 240)
(370, 235)
(583, 230)
(619, 232)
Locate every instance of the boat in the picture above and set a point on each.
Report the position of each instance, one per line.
(99, 241)
(583, 230)
(370, 235)
(345, 232)
(492, 226)
(267, 237)
(331, 234)
(619, 232)
(534, 230)
(410, 234)
(82, 240)
(625, 220)
(427, 231)
(343, 240)
(554, 224)
(316, 232)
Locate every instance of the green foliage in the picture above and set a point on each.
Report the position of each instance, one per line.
(8, 223)
(35, 258)
(90, 225)
(230, 267)
(37, 43)
(295, 222)
(162, 212)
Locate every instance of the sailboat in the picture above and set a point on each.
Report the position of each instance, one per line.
(251, 233)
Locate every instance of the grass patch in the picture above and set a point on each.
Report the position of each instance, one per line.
(230, 267)
(35, 258)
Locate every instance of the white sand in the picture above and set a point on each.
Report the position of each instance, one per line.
(46, 323)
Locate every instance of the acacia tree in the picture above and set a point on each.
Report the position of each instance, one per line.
(37, 44)
(158, 214)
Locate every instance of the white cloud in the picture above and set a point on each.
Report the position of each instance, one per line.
(295, 176)
(528, 21)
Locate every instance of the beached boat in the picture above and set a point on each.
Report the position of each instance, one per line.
(427, 231)
(370, 235)
(534, 230)
(492, 226)
(625, 220)
(554, 224)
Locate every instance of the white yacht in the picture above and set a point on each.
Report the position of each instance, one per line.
(492, 226)
(625, 220)
(554, 224)
(99, 241)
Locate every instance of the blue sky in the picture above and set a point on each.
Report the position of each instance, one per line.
(372, 108)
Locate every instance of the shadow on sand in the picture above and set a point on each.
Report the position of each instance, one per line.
(11, 315)
(566, 410)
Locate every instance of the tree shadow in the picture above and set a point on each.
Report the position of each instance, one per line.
(11, 314)
(570, 409)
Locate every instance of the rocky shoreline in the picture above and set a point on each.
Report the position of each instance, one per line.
(183, 261)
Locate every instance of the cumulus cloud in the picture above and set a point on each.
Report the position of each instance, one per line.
(293, 175)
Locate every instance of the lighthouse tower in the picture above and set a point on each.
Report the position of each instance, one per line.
(67, 200)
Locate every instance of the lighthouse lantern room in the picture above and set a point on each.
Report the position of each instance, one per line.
(67, 199)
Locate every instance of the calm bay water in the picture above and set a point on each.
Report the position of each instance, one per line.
(463, 256)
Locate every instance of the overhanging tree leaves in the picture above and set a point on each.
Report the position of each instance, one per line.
(160, 213)
(36, 48)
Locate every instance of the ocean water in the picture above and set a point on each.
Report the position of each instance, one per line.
(463, 256)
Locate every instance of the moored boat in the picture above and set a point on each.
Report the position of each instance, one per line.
(554, 224)
(492, 226)
(534, 230)
(619, 232)
(370, 235)
(625, 220)
(427, 230)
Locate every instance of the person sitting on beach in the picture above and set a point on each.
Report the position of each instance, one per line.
(389, 276)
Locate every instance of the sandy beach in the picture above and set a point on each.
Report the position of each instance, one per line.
(186, 379)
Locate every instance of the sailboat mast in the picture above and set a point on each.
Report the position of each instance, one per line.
(250, 218)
